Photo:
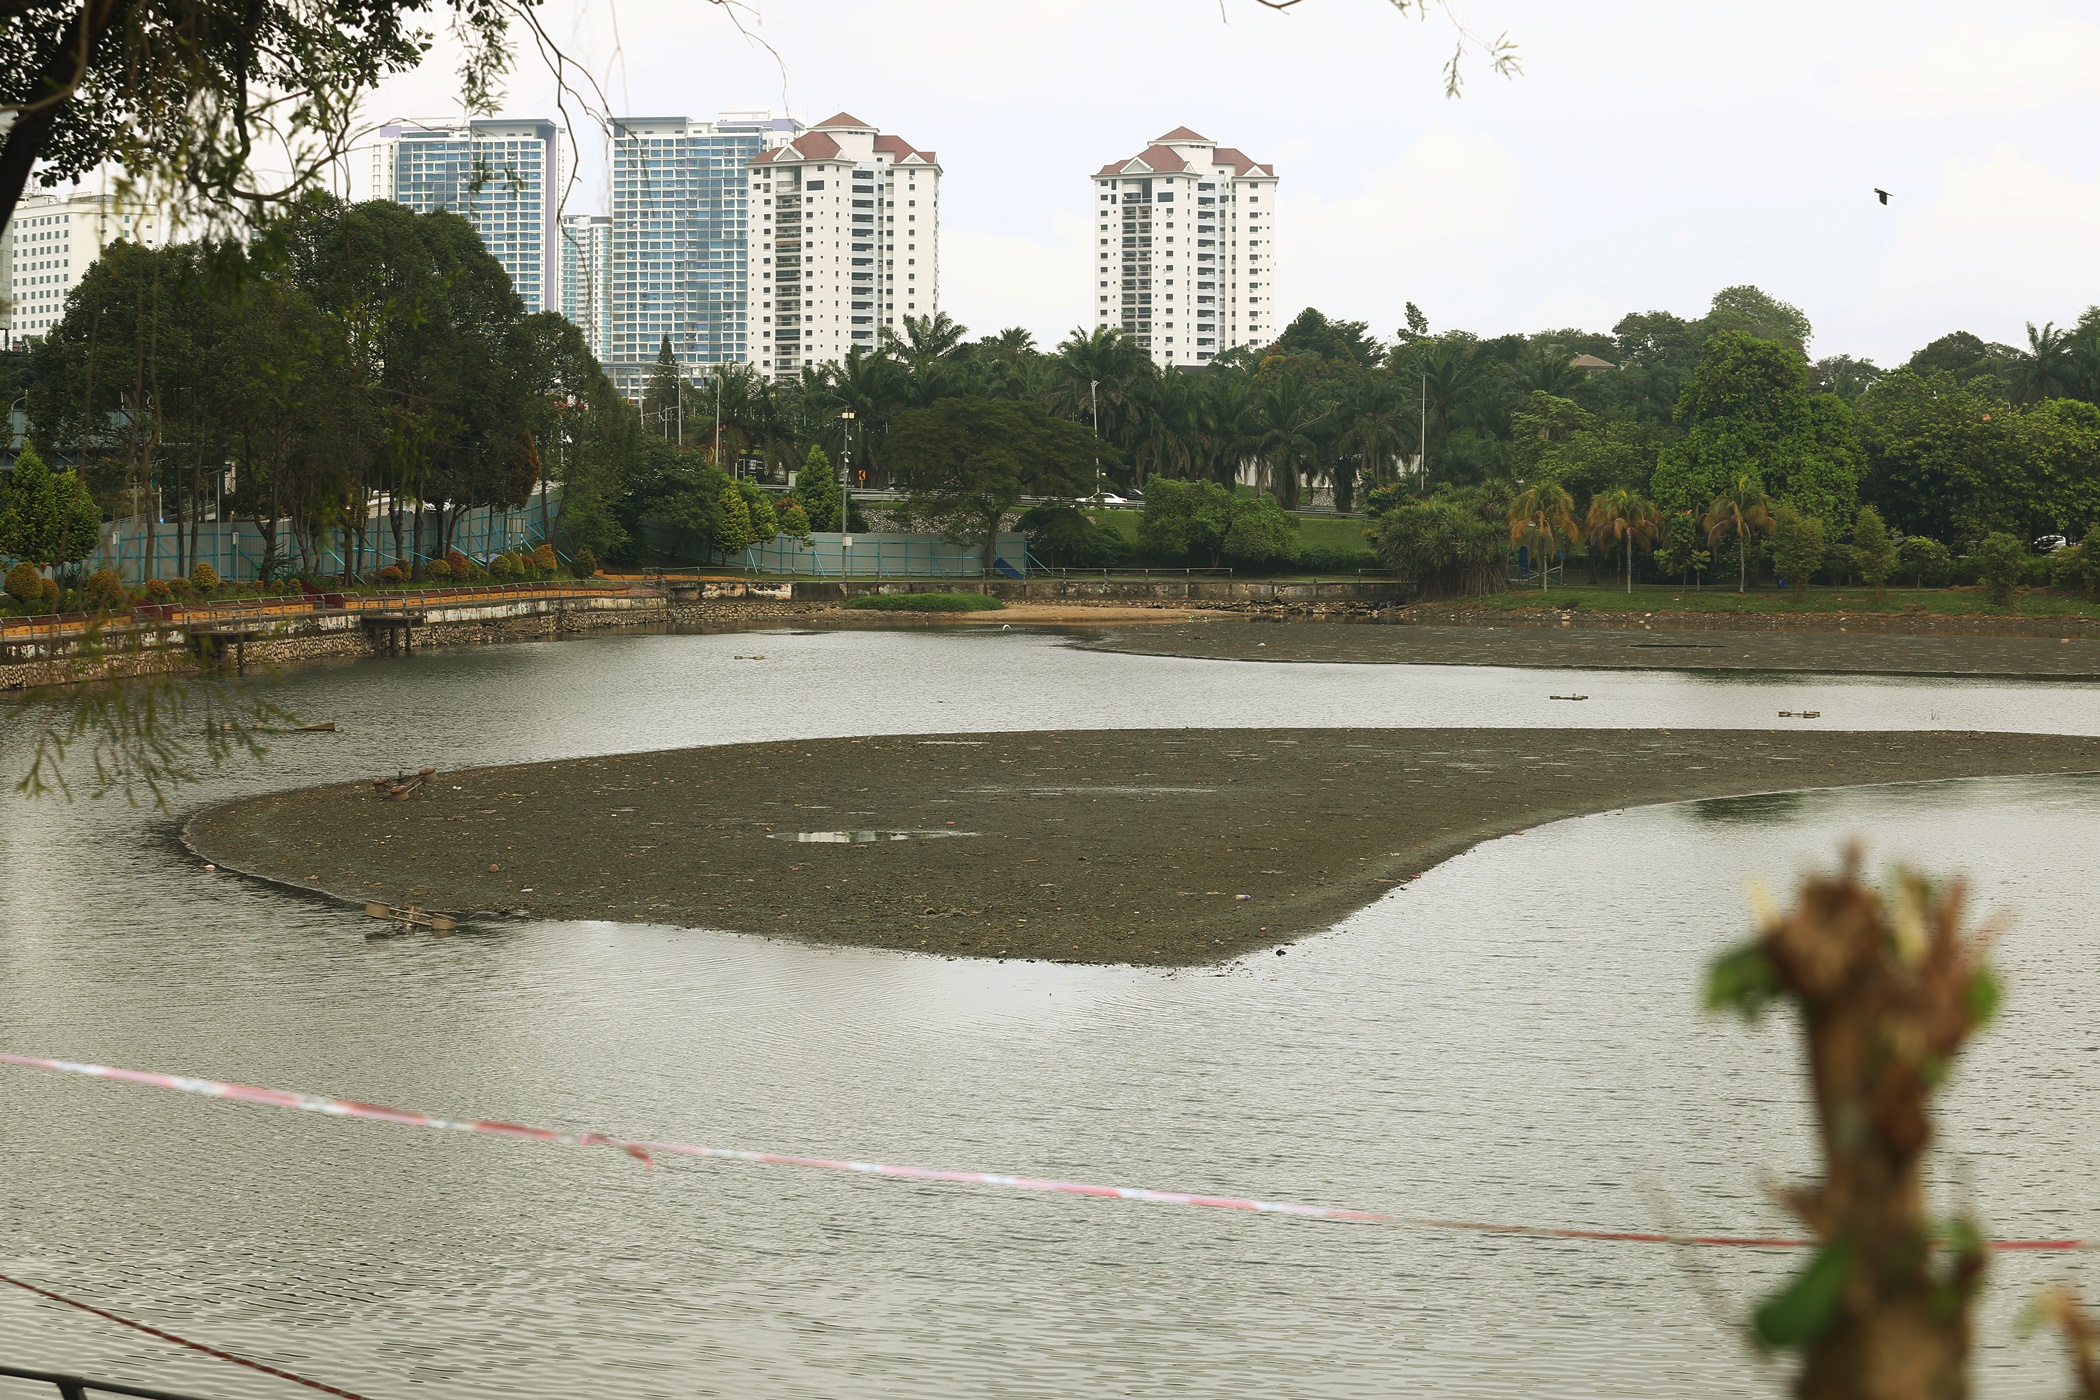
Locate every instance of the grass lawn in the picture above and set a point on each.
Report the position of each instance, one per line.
(1946, 602)
(927, 602)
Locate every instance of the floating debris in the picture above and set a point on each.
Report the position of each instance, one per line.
(1567, 697)
(403, 921)
(1801, 714)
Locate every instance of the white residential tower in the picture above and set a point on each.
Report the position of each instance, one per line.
(845, 241)
(51, 243)
(1186, 254)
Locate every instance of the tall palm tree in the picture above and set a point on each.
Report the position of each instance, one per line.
(1289, 419)
(1741, 510)
(1376, 428)
(1542, 516)
(2045, 369)
(1623, 516)
(1545, 369)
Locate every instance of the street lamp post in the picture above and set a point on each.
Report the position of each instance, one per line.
(846, 494)
(1093, 392)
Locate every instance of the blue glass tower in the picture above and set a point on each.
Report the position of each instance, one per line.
(680, 238)
(503, 177)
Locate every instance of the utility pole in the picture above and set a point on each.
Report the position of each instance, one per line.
(1422, 456)
(846, 495)
(718, 415)
(1093, 390)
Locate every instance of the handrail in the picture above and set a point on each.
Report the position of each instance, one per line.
(163, 616)
(72, 1387)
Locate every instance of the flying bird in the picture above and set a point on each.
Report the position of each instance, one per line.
(1884, 195)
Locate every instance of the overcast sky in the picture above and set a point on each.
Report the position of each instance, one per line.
(1650, 154)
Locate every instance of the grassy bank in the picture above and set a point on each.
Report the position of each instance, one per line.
(1941, 602)
(927, 602)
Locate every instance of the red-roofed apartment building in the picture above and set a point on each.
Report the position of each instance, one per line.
(845, 243)
(1186, 257)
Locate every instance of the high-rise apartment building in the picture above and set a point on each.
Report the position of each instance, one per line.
(503, 177)
(845, 235)
(681, 238)
(586, 279)
(1186, 258)
(49, 245)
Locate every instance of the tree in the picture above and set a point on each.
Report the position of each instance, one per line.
(1622, 517)
(733, 535)
(817, 488)
(2045, 368)
(1452, 542)
(1925, 560)
(1542, 516)
(33, 510)
(663, 404)
(1261, 531)
(1888, 986)
(1345, 342)
(1740, 511)
(1747, 411)
(1873, 552)
(1752, 312)
(2003, 561)
(1799, 543)
(968, 461)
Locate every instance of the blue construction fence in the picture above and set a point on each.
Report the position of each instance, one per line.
(235, 547)
(866, 555)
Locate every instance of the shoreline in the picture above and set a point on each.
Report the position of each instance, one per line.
(1123, 847)
(1833, 651)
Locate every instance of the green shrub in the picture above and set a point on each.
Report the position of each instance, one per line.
(1926, 563)
(103, 591)
(543, 559)
(49, 600)
(1334, 559)
(504, 567)
(583, 563)
(927, 602)
(438, 571)
(1798, 544)
(205, 577)
(390, 574)
(462, 567)
(2002, 565)
(158, 590)
(25, 585)
(792, 520)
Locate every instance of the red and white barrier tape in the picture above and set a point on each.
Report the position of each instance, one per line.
(647, 1151)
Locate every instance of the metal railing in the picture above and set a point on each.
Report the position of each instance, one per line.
(80, 1387)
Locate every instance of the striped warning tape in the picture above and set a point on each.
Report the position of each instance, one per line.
(647, 1151)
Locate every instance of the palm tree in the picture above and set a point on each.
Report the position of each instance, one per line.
(1100, 366)
(1545, 369)
(1377, 430)
(1742, 510)
(2046, 368)
(1542, 516)
(1288, 417)
(1624, 515)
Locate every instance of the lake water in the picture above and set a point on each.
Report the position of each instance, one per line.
(1514, 1037)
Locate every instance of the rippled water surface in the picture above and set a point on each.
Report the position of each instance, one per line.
(1514, 1037)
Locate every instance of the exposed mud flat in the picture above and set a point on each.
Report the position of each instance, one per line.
(1129, 846)
(1676, 648)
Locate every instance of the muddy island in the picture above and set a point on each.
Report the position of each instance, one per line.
(1165, 847)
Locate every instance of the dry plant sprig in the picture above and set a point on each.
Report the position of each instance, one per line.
(2059, 1307)
(1890, 985)
(1501, 51)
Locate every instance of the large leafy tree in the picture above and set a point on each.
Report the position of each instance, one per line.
(184, 94)
(1747, 412)
(967, 463)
